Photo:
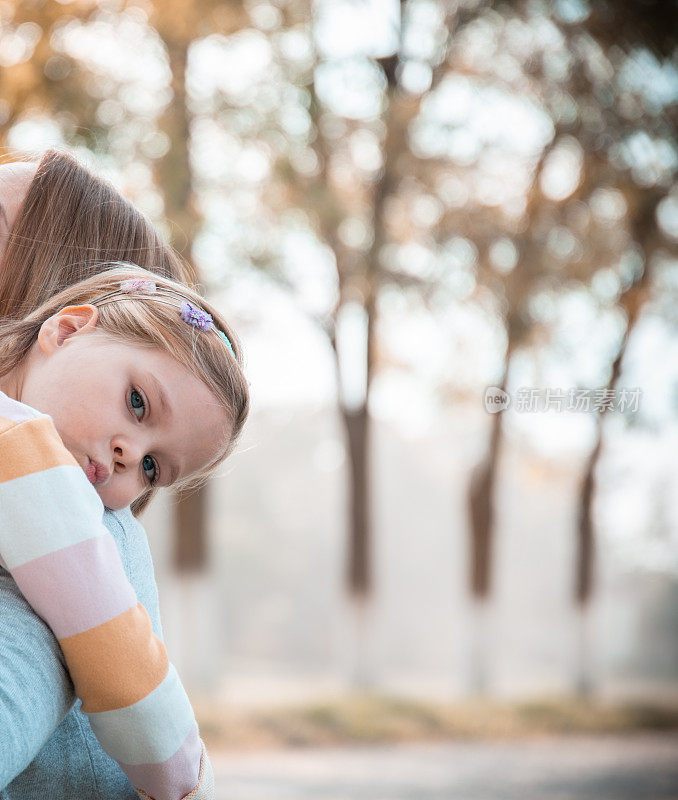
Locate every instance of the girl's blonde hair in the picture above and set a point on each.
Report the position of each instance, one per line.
(137, 319)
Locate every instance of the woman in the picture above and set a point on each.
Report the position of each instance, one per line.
(57, 222)
(60, 221)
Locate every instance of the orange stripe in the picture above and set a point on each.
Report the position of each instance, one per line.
(116, 663)
(30, 447)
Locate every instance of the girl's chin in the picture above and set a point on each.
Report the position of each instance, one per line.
(104, 499)
(110, 505)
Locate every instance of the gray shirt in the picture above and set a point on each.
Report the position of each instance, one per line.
(47, 748)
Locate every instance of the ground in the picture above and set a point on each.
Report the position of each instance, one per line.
(639, 766)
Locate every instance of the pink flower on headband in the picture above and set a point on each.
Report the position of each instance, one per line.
(194, 316)
(138, 285)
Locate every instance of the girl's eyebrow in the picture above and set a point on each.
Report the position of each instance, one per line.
(167, 411)
(173, 472)
(164, 402)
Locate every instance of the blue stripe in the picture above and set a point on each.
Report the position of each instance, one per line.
(45, 511)
(149, 731)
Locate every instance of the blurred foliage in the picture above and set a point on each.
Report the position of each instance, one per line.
(296, 133)
(512, 159)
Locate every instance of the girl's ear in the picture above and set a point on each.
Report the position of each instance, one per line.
(68, 322)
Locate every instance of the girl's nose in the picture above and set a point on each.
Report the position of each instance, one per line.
(128, 454)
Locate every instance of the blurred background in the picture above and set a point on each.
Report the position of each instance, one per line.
(399, 205)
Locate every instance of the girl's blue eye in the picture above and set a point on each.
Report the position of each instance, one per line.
(149, 463)
(137, 401)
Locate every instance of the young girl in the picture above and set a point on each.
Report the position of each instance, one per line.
(143, 385)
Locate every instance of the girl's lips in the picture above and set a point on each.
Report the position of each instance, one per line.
(96, 472)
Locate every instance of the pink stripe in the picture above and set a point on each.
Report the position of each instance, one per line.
(16, 411)
(78, 587)
(174, 778)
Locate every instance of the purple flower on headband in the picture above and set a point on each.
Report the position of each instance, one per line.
(194, 316)
(138, 285)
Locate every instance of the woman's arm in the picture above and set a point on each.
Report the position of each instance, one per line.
(35, 690)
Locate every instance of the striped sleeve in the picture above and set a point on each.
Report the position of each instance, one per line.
(65, 562)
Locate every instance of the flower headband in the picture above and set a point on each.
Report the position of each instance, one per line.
(190, 314)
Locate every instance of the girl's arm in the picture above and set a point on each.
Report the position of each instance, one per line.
(47, 748)
(66, 564)
(36, 691)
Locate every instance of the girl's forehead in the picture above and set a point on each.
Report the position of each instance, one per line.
(101, 348)
(101, 339)
(141, 356)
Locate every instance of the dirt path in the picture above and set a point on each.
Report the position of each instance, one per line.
(637, 767)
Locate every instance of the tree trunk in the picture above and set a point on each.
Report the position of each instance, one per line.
(359, 565)
(481, 507)
(631, 301)
(584, 681)
(359, 562)
(173, 171)
(481, 527)
(191, 593)
(174, 176)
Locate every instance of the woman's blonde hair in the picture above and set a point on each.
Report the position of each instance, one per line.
(72, 221)
(140, 320)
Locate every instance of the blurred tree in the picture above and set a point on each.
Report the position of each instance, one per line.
(554, 243)
(599, 101)
(349, 196)
(179, 23)
(531, 234)
(643, 37)
(344, 167)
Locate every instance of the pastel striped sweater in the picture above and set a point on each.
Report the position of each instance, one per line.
(66, 564)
